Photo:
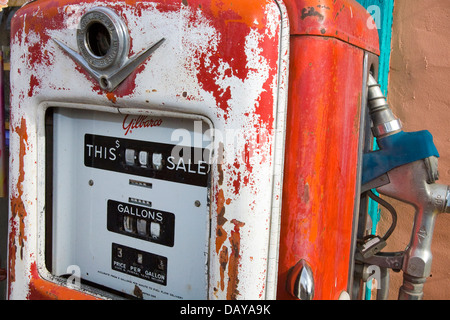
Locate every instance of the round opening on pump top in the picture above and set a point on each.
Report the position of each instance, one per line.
(98, 39)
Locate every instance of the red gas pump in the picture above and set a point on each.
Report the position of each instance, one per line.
(332, 53)
(188, 149)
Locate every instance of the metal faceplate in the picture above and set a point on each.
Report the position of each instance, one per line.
(131, 202)
(223, 64)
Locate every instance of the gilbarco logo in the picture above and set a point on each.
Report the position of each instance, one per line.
(140, 122)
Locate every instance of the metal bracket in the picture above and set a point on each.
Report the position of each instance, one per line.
(390, 260)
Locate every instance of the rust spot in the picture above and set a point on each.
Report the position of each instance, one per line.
(111, 97)
(233, 267)
(219, 163)
(16, 202)
(306, 193)
(138, 292)
(321, 6)
(44, 290)
(223, 260)
(220, 170)
(237, 183)
(221, 234)
(220, 217)
(311, 12)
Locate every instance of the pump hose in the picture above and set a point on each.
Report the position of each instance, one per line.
(390, 208)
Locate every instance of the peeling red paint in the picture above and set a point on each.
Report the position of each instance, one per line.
(34, 82)
(234, 23)
(41, 289)
(236, 182)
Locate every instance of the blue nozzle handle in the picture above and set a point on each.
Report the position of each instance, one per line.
(396, 150)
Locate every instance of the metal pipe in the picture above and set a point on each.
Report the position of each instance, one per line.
(383, 290)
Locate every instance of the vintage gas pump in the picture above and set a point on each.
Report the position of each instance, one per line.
(148, 142)
(189, 149)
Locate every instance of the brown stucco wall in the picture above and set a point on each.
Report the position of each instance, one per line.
(419, 94)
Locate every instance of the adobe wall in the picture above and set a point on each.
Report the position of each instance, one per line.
(419, 94)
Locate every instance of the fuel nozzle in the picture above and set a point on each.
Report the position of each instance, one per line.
(409, 184)
(384, 121)
(405, 168)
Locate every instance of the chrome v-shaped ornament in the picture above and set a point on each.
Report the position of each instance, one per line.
(109, 79)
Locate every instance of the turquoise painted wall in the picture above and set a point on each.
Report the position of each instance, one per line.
(382, 12)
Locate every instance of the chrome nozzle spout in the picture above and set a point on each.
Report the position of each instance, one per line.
(384, 122)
